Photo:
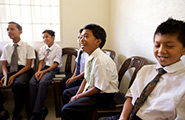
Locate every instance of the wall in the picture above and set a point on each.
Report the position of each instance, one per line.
(77, 13)
(133, 22)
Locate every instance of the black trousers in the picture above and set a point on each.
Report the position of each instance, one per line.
(74, 83)
(79, 109)
(20, 89)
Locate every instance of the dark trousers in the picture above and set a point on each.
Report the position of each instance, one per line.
(1, 101)
(20, 89)
(74, 83)
(79, 109)
(66, 95)
(38, 90)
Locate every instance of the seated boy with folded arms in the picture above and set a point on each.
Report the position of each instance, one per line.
(100, 77)
(167, 99)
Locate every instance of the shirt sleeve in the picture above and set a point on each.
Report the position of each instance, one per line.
(31, 52)
(181, 109)
(3, 58)
(41, 54)
(58, 56)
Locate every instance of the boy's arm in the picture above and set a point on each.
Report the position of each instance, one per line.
(55, 64)
(37, 74)
(24, 69)
(80, 90)
(74, 77)
(127, 108)
(89, 92)
(4, 71)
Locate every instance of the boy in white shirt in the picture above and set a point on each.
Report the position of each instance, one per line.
(100, 77)
(49, 63)
(18, 77)
(167, 99)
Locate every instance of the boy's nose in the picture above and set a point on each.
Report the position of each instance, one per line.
(162, 49)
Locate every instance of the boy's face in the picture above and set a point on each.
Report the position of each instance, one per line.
(78, 40)
(48, 39)
(88, 41)
(167, 49)
(13, 32)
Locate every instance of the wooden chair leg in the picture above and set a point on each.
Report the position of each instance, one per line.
(57, 97)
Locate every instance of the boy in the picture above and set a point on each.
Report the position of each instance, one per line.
(22, 54)
(100, 77)
(77, 77)
(72, 84)
(167, 100)
(49, 63)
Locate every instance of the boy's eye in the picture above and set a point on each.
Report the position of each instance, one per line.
(86, 36)
(169, 46)
(157, 45)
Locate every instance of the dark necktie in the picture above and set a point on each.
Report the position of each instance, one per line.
(47, 53)
(87, 74)
(14, 59)
(145, 93)
(78, 63)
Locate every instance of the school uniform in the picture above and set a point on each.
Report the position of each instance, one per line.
(68, 87)
(38, 90)
(103, 76)
(167, 100)
(77, 82)
(20, 86)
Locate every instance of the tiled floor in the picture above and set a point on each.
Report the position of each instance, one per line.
(49, 104)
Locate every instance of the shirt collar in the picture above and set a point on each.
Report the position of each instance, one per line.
(172, 68)
(94, 54)
(19, 43)
(49, 48)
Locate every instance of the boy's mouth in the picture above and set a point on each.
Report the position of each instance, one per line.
(162, 57)
(83, 44)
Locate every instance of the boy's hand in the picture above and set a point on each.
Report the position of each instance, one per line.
(74, 98)
(10, 81)
(69, 80)
(40, 75)
(37, 74)
(2, 81)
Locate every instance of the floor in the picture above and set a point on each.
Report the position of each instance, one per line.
(49, 104)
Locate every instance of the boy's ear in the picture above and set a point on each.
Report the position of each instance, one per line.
(183, 51)
(98, 42)
(53, 37)
(20, 31)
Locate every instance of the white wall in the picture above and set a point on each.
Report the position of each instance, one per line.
(133, 22)
(129, 24)
(77, 13)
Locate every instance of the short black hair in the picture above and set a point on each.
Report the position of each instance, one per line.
(51, 32)
(80, 31)
(172, 26)
(98, 32)
(18, 25)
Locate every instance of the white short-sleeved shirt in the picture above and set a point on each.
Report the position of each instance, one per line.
(167, 100)
(104, 75)
(54, 55)
(84, 55)
(24, 49)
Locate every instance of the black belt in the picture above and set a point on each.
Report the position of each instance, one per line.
(136, 118)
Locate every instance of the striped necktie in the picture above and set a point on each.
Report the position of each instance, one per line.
(14, 59)
(146, 92)
(78, 63)
(47, 53)
(87, 74)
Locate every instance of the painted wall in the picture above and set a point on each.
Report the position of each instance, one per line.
(75, 14)
(133, 22)
(129, 24)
